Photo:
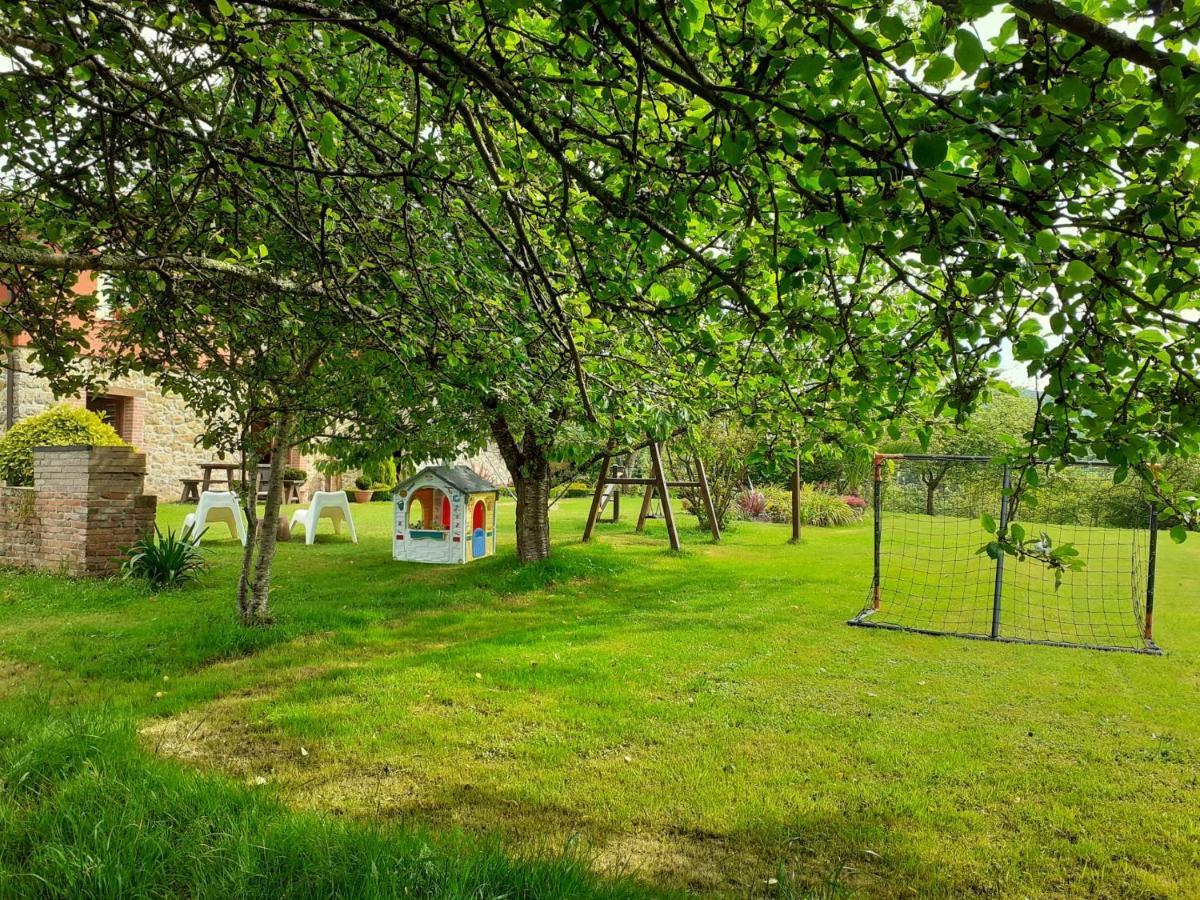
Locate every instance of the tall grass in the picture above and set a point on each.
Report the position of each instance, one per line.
(84, 813)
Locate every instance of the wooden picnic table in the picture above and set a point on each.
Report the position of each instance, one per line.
(209, 474)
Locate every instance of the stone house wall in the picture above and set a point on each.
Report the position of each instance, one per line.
(85, 506)
(166, 430)
(157, 423)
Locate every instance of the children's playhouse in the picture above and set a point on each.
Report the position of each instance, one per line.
(444, 514)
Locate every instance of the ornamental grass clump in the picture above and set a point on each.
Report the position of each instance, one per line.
(165, 561)
(774, 504)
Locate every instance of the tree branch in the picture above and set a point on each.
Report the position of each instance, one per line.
(175, 264)
(1096, 34)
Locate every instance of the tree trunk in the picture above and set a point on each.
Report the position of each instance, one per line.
(259, 612)
(530, 470)
(533, 514)
(251, 507)
(932, 482)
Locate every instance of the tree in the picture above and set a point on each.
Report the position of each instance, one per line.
(1001, 424)
(828, 214)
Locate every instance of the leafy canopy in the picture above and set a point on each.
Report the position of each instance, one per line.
(799, 211)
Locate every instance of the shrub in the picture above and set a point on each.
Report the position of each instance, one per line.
(59, 426)
(774, 504)
(724, 445)
(752, 505)
(291, 473)
(820, 509)
(165, 560)
(380, 473)
(363, 483)
(778, 504)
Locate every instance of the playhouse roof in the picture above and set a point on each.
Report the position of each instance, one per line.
(459, 477)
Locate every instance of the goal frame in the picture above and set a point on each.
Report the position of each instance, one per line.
(875, 602)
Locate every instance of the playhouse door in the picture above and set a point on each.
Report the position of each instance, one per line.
(479, 531)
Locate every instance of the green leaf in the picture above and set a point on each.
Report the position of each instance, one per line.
(693, 17)
(225, 7)
(940, 69)
(968, 51)
(989, 523)
(1179, 534)
(805, 67)
(327, 144)
(1046, 240)
(929, 150)
(1078, 270)
(1020, 172)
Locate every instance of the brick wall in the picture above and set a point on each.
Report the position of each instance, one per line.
(86, 504)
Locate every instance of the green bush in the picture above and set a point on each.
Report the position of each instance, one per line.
(59, 426)
(381, 474)
(291, 473)
(577, 489)
(778, 503)
(823, 510)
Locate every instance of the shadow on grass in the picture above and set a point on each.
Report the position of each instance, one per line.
(87, 814)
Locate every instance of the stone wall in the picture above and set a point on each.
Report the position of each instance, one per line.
(165, 429)
(488, 463)
(161, 425)
(85, 506)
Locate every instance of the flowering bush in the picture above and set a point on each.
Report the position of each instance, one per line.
(774, 504)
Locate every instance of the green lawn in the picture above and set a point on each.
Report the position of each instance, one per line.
(700, 721)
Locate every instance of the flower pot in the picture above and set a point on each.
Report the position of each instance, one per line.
(363, 496)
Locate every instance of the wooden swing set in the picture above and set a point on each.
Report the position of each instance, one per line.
(612, 478)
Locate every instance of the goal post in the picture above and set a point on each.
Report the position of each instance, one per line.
(933, 574)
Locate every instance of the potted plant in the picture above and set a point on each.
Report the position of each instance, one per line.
(362, 489)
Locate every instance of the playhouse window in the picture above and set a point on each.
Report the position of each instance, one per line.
(429, 514)
(416, 513)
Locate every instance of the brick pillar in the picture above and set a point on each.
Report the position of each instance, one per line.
(91, 506)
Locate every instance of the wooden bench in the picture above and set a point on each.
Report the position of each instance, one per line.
(191, 490)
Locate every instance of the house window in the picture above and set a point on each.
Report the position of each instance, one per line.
(116, 411)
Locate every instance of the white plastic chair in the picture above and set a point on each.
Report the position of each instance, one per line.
(332, 505)
(217, 506)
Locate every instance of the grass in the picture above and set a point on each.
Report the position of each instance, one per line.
(701, 721)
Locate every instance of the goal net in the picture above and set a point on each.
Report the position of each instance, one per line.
(932, 574)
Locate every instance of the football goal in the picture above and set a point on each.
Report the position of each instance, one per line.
(933, 574)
